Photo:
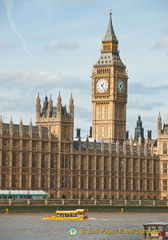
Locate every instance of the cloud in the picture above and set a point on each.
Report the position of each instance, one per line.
(139, 88)
(162, 43)
(144, 105)
(20, 103)
(83, 113)
(22, 79)
(9, 5)
(57, 44)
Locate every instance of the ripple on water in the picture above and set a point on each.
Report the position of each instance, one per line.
(32, 226)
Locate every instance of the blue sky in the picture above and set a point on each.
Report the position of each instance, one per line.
(48, 46)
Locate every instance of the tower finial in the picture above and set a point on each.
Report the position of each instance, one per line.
(111, 9)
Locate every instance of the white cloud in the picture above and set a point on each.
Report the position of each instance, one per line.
(142, 89)
(18, 78)
(57, 44)
(162, 43)
(144, 105)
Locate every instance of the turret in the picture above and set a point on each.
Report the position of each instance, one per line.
(139, 131)
(21, 127)
(45, 106)
(57, 119)
(71, 106)
(30, 128)
(59, 104)
(159, 124)
(38, 106)
(11, 127)
(50, 106)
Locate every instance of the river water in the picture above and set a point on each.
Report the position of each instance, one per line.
(114, 226)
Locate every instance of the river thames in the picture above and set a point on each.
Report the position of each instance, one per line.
(115, 226)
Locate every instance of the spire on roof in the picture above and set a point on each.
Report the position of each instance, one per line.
(110, 34)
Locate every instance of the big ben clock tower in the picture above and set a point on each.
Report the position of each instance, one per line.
(109, 91)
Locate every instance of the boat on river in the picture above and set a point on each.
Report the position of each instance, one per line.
(155, 231)
(78, 214)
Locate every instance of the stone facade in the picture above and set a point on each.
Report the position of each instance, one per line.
(162, 151)
(32, 158)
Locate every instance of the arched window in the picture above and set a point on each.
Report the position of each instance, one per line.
(164, 148)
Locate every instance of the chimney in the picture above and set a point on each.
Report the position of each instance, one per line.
(90, 132)
(78, 132)
(149, 134)
(127, 135)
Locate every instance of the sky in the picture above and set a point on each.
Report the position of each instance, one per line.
(48, 46)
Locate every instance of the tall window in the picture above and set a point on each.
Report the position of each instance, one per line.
(165, 168)
(105, 164)
(23, 181)
(164, 148)
(97, 183)
(112, 165)
(141, 184)
(90, 163)
(148, 166)
(148, 185)
(105, 183)
(82, 163)
(33, 181)
(121, 165)
(33, 160)
(90, 184)
(106, 112)
(52, 181)
(141, 166)
(135, 165)
(112, 183)
(155, 185)
(120, 183)
(23, 160)
(82, 182)
(43, 161)
(4, 178)
(135, 184)
(65, 162)
(52, 161)
(65, 181)
(25, 144)
(14, 159)
(164, 185)
(106, 131)
(43, 180)
(97, 163)
(74, 182)
(127, 183)
(74, 162)
(100, 112)
(4, 159)
(14, 180)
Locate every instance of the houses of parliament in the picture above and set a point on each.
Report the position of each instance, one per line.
(107, 164)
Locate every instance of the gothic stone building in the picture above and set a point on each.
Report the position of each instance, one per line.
(106, 165)
(31, 157)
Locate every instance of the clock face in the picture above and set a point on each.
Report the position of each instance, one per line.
(120, 86)
(102, 85)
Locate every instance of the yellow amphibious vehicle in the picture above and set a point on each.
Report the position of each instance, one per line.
(78, 214)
